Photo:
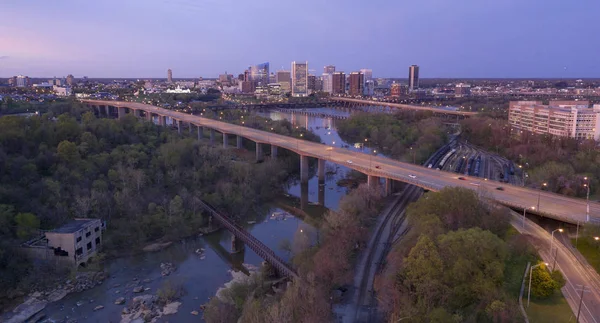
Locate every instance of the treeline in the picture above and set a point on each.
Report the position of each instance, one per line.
(324, 266)
(458, 263)
(145, 181)
(395, 134)
(562, 163)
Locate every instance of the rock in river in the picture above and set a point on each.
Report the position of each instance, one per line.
(138, 289)
(99, 307)
(120, 301)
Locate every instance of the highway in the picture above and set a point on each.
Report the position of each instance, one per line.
(552, 205)
(405, 106)
(577, 272)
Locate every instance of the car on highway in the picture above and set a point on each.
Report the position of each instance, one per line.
(412, 176)
(349, 161)
(500, 188)
(476, 184)
(377, 166)
(461, 178)
(329, 148)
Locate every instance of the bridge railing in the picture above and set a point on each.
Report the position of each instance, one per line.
(256, 245)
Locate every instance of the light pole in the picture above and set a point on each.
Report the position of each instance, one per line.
(539, 194)
(371, 158)
(413, 153)
(587, 209)
(525, 210)
(552, 240)
(530, 276)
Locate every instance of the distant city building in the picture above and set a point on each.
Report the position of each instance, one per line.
(260, 74)
(247, 86)
(22, 81)
(573, 119)
(368, 74)
(178, 89)
(327, 82)
(70, 80)
(413, 77)
(329, 69)
(318, 84)
(299, 79)
(169, 76)
(398, 90)
(272, 78)
(462, 89)
(356, 84)
(62, 91)
(225, 78)
(312, 80)
(369, 89)
(338, 83)
(284, 79)
(12, 81)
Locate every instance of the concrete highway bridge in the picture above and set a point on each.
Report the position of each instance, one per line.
(435, 110)
(560, 207)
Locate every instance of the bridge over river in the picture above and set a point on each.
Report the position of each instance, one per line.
(560, 207)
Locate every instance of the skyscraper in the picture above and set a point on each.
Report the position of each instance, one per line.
(327, 82)
(284, 78)
(357, 84)
(70, 79)
(312, 80)
(169, 76)
(413, 77)
(299, 79)
(368, 74)
(338, 83)
(329, 69)
(260, 73)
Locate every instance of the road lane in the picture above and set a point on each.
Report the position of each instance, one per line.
(552, 205)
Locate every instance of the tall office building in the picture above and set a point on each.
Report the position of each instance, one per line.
(312, 80)
(368, 74)
(327, 82)
(169, 76)
(338, 83)
(23, 81)
(70, 79)
(260, 74)
(299, 79)
(284, 78)
(413, 77)
(357, 84)
(329, 69)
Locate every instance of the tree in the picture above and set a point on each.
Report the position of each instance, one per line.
(542, 284)
(27, 225)
(67, 152)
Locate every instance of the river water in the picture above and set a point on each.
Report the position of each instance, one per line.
(202, 275)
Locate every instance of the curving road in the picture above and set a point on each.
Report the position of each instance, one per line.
(552, 205)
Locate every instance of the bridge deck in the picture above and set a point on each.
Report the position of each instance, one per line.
(404, 106)
(552, 205)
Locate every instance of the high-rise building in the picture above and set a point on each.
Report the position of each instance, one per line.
(357, 83)
(329, 69)
(312, 80)
(327, 82)
(272, 78)
(368, 74)
(369, 89)
(299, 79)
(338, 83)
(22, 81)
(260, 74)
(169, 76)
(574, 119)
(70, 79)
(462, 89)
(413, 77)
(284, 78)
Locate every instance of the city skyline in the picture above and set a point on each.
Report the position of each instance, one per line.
(197, 39)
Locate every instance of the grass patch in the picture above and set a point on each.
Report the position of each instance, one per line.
(552, 309)
(590, 251)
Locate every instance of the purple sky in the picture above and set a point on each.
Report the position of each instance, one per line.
(143, 38)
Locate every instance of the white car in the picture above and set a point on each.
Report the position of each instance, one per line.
(349, 161)
(412, 176)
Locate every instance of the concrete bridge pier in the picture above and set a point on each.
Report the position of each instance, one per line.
(373, 181)
(259, 152)
(190, 125)
(121, 112)
(149, 116)
(225, 140)
(162, 120)
(212, 137)
(107, 110)
(137, 113)
(273, 151)
(200, 132)
(239, 142)
(178, 126)
(303, 169)
(321, 176)
(236, 244)
(388, 187)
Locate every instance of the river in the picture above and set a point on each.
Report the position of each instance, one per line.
(203, 275)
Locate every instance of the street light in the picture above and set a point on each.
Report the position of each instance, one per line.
(539, 194)
(552, 239)
(587, 209)
(524, 210)
(530, 276)
(371, 158)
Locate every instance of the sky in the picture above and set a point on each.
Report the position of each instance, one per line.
(205, 38)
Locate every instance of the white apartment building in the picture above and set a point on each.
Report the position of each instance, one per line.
(573, 119)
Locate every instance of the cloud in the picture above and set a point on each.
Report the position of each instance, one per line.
(3, 57)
